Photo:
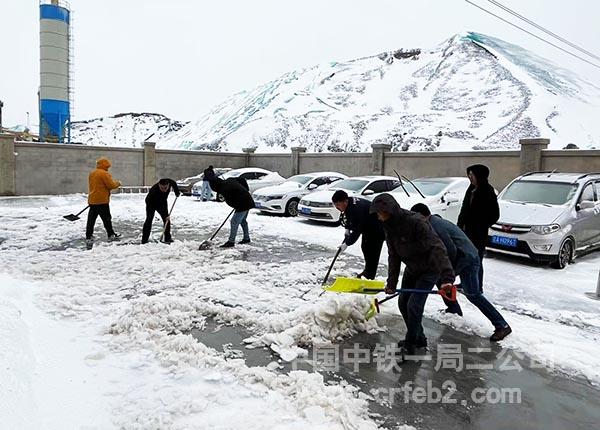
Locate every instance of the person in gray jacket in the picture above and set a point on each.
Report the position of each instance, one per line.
(411, 240)
(465, 260)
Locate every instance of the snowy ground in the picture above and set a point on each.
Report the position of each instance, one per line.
(103, 334)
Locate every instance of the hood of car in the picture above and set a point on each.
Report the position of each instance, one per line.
(528, 213)
(284, 188)
(407, 202)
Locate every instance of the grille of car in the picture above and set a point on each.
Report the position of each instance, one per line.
(316, 204)
(509, 228)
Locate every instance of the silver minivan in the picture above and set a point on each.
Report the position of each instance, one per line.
(548, 216)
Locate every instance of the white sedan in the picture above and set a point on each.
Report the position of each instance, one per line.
(255, 176)
(319, 207)
(443, 196)
(284, 198)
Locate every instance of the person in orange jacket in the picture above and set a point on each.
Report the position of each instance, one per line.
(100, 184)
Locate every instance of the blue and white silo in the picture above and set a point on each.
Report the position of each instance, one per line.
(54, 95)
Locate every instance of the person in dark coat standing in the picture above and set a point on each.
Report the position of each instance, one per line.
(479, 211)
(156, 201)
(237, 196)
(465, 261)
(412, 241)
(358, 221)
(208, 175)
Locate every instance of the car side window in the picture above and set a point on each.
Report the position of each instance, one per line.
(378, 186)
(588, 193)
(597, 183)
(258, 175)
(247, 175)
(320, 181)
(392, 184)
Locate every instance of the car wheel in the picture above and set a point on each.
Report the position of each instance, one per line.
(291, 209)
(220, 198)
(565, 255)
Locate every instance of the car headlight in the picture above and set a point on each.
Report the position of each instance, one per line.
(545, 229)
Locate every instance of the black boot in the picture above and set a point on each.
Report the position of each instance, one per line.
(228, 244)
(500, 333)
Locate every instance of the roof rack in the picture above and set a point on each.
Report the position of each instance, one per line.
(540, 171)
(588, 174)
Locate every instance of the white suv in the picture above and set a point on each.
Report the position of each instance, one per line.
(548, 216)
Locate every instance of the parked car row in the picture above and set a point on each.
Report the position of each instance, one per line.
(546, 216)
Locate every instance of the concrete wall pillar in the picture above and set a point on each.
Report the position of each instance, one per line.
(531, 154)
(150, 163)
(8, 165)
(296, 153)
(248, 153)
(378, 160)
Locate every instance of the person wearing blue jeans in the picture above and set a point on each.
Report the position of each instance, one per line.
(206, 191)
(465, 261)
(239, 219)
(237, 195)
(412, 305)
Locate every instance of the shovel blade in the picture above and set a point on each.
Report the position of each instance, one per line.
(71, 217)
(204, 245)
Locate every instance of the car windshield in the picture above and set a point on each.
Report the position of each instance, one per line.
(299, 179)
(427, 187)
(545, 193)
(351, 184)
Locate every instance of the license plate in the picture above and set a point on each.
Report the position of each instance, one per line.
(305, 211)
(505, 241)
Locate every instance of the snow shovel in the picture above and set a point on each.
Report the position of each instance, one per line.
(72, 217)
(448, 293)
(168, 220)
(206, 244)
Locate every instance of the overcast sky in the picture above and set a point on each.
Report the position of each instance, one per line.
(180, 57)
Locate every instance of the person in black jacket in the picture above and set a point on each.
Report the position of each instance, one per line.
(156, 201)
(236, 195)
(358, 221)
(479, 211)
(412, 241)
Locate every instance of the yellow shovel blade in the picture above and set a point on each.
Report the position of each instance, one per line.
(356, 285)
(372, 311)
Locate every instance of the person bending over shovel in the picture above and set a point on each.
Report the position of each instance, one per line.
(156, 201)
(411, 240)
(100, 184)
(357, 220)
(465, 261)
(237, 196)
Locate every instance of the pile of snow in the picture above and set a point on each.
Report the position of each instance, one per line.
(471, 92)
(125, 129)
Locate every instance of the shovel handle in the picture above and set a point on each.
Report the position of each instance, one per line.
(83, 210)
(331, 266)
(221, 226)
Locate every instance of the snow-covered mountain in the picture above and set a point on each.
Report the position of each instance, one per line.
(125, 129)
(471, 92)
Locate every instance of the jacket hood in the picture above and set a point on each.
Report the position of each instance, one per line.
(103, 163)
(385, 203)
(481, 172)
(216, 184)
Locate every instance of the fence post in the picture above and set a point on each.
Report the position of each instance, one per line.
(248, 153)
(8, 185)
(531, 154)
(378, 159)
(296, 153)
(149, 163)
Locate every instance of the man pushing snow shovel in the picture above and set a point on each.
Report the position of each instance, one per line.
(156, 201)
(100, 184)
(237, 196)
(411, 240)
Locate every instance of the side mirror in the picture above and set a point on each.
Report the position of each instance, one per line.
(368, 192)
(585, 204)
(312, 186)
